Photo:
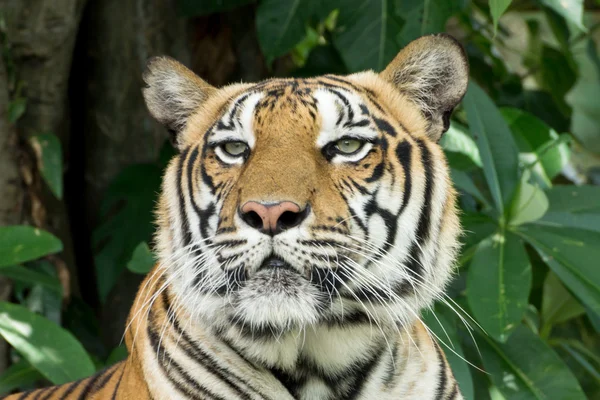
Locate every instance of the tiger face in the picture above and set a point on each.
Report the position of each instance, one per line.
(298, 202)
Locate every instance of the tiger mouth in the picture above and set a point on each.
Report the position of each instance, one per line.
(275, 262)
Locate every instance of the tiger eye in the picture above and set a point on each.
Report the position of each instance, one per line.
(235, 148)
(348, 146)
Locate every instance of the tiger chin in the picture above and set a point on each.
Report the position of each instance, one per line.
(302, 227)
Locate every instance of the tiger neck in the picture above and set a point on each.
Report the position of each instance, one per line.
(175, 348)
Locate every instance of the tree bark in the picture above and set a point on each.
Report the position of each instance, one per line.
(118, 38)
(42, 36)
(11, 185)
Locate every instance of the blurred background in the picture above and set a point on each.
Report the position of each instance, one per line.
(81, 162)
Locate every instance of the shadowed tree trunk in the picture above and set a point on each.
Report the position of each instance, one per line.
(117, 39)
(40, 38)
(12, 188)
(42, 35)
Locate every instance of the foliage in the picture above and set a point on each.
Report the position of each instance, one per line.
(49, 158)
(525, 305)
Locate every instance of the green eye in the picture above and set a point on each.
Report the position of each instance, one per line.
(348, 146)
(235, 149)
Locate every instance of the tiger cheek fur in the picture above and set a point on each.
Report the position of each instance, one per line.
(301, 230)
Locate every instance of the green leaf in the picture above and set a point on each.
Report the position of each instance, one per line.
(571, 10)
(52, 350)
(497, 8)
(458, 140)
(477, 227)
(533, 136)
(142, 260)
(581, 360)
(573, 255)
(496, 145)
(367, 34)
(529, 204)
(526, 368)
(16, 109)
(583, 199)
(126, 215)
(498, 284)
(447, 337)
(119, 353)
(556, 76)
(463, 181)
(322, 60)
(557, 304)
(29, 276)
(559, 28)
(583, 96)
(423, 17)
(281, 25)
(18, 376)
(542, 105)
(49, 160)
(193, 8)
(573, 207)
(20, 243)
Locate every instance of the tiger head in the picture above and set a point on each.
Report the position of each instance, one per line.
(294, 202)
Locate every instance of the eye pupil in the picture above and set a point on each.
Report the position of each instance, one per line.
(348, 146)
(235, 148)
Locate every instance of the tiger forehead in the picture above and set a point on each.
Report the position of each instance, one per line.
(288, 106)
(293, 104)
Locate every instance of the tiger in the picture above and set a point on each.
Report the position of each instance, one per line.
(302, 227)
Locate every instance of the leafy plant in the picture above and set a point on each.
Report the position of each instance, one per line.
(528, 264)
(524, 315)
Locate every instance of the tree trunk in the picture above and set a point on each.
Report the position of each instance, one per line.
(42, 35)
(10, 183)
(117, 39)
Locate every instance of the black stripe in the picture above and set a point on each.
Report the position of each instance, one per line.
(391, 367)
(441, 388)
(385, 127)
(414, 262)
(187, 235)
(347, 319)
(26, 394)
(404, 153)
(377, 173)
(71, 388)
(89, 385)
(374, 101)
(338, 79)
(425, 219)
(358, 124)
(346, 103)
(114, 395)
(97, 382)
(200, 392)
(364, 374)
(198, 354)
(50, 392)
(454, 393)
(203, 215)
(359, 187)
(230, 125)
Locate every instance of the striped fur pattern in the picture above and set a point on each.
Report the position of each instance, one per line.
(329, 308)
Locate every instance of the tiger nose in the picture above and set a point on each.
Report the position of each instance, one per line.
(273, 218)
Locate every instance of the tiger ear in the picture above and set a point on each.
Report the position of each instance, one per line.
(173, 92)
(433, 72)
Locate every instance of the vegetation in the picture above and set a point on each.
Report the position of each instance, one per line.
(522, 317)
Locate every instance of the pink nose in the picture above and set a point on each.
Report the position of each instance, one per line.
(272, 218)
